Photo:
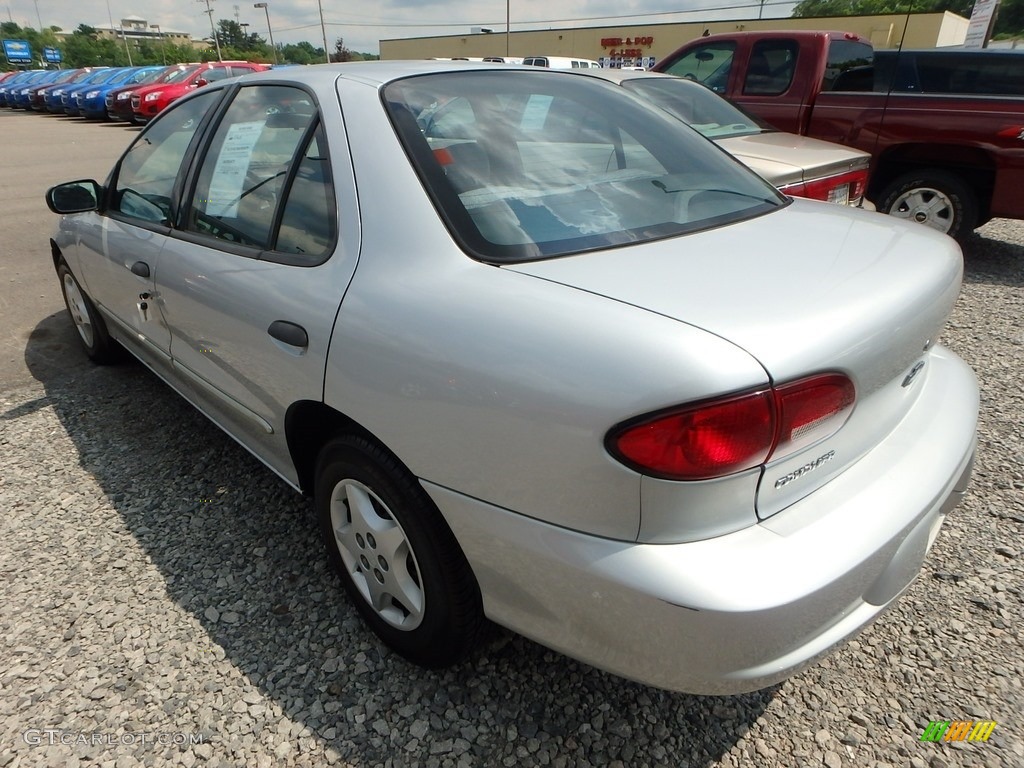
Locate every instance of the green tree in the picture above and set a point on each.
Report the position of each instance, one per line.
(815, 8)
(1010, 19)
(341, 53)
(302, 53)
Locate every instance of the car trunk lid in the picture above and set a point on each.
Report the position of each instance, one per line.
(808, 289)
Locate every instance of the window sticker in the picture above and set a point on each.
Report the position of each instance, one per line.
(228, 182)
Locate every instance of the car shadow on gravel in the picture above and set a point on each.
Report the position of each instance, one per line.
(239, 551)
(991, 259)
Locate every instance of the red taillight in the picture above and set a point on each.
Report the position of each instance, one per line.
(842, 188)
(731, 434)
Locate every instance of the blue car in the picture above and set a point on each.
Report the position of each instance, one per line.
(90, 101)
(70, 96)
(38, 88)
(17, 95)
(53, 96)
(10, 83)
(67, 98)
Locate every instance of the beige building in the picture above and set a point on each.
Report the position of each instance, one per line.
(135, 30)
(644, 44)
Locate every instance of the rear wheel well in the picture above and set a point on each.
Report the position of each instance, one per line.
(974, 167)
(309, 426)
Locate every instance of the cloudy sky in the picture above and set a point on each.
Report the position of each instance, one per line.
(363, 24)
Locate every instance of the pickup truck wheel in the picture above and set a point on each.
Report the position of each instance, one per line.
(396, 556)
(92, 331)
(934, 198)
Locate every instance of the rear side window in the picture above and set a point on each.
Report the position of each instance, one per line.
(849, 67)
(771, 66)
(710, 64)
(266, 168)
(307, 225)
(970, 73)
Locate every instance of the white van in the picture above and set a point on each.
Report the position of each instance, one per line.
(560, 62)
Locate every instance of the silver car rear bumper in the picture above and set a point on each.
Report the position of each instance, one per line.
(748, 609)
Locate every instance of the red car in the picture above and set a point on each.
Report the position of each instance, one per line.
(149, 100)
(119, 101)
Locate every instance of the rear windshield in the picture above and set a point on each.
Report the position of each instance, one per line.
(531, 165)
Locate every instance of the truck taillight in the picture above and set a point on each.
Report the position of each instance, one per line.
(737, 432)
(844, 188)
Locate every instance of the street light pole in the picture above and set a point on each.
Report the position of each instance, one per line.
(270, 31)
(507, 26)
(163, 48)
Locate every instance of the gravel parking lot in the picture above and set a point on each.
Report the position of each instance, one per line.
(166, 601)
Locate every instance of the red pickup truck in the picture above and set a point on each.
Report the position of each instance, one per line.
(945, 128)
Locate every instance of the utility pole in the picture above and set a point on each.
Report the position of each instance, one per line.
(213, 31)
(323, 31)
(124, 36)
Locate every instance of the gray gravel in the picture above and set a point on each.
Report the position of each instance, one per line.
(165, 602)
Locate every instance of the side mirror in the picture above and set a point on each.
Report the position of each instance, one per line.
(201, 82)
(74, 196)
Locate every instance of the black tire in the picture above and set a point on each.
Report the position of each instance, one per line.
(937, 199)
(92, 331)
(396, 556)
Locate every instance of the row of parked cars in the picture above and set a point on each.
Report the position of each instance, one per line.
(135, 94)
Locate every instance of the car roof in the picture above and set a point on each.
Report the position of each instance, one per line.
(377, 73)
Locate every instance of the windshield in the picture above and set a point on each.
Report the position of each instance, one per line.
(529, 165)
(179, 75)
(71, 74)
(696, 105)
(146, 76)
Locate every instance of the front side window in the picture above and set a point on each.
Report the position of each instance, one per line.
(266, 141)
(149, 169)
(215, 73)
(771, 67)
(709, 64)
(543, 164)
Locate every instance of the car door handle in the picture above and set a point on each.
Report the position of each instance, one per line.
(289, 333)
(140, 268)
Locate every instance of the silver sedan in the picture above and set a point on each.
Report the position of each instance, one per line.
(542, 354)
